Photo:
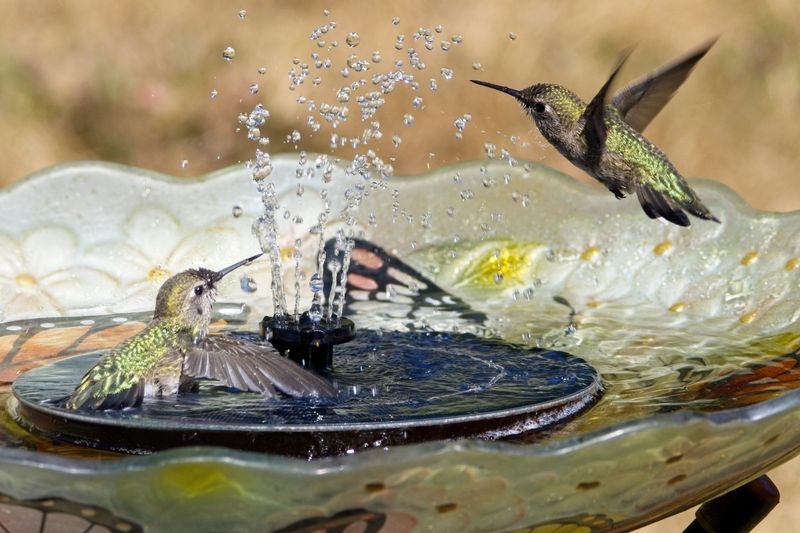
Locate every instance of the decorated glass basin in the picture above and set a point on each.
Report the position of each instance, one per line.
(691, 330)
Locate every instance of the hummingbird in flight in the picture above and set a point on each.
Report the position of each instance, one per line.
(604, 137)
(174, 348)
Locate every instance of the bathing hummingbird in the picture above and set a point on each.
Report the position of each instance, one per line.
(173, 349)
(604, 137)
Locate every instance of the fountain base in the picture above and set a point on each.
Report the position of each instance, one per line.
(308, 343)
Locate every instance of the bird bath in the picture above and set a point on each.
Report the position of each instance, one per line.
(692, 332)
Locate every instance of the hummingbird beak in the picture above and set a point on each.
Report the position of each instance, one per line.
(227, 270)
(513, 92)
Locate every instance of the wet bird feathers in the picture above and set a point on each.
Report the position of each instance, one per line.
(604, 137)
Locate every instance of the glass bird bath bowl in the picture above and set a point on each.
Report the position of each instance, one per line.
(691, 331)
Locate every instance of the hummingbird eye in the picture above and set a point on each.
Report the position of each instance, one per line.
(538, 107)
(199, 290)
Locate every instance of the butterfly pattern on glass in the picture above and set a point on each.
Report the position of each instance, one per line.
(394, 294)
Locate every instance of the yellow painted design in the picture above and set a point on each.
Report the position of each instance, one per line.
(199, 480)
(502, 266)
(25, 280)
(792, 264)
(591, 253)
(157, 273)
(749, 258)
(748, 317)
(663, 248)
(595, 305)
(678, 307)
(287, 252)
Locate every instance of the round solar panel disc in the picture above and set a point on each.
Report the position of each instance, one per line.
(394, 388)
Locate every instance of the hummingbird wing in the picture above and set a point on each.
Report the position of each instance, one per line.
(643, 100)
(595, 129)
(252, 368)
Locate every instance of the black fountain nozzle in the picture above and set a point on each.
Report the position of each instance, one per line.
(308, 343)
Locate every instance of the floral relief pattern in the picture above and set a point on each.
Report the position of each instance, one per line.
(156, 246)
(47, 272)
(41, 275)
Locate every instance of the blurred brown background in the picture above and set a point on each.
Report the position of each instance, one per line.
(130, 82)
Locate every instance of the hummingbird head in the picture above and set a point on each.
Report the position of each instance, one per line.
(554, 108)
(187, 297)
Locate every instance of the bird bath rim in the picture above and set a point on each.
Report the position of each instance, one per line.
(686, 454)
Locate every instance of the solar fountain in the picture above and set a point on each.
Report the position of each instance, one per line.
(516, 351)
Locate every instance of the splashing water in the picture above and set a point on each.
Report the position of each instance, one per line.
(265, 229)
(359, 84)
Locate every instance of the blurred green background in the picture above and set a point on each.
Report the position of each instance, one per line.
(130, 82)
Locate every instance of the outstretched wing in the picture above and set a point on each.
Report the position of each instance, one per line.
(375, 275)
(641, 102)
(594, 116)
(253, 368)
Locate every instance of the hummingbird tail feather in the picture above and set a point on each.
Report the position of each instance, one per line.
(698, 209)
(92, 397)
(656, 204)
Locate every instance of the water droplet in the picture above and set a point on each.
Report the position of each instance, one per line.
(293, 137)
(439, 28)
(396, 140)
(253, 88)
(237, 211)
(416, 102)
(326, 12)
(229, 53)
(445, 45)
(242, 14)
(214, 93)
(184, 163)
(461, 123)
(512, 36)
(446, 73)
(376, 57)
(395, 21)
(248, 284)
(315, 283)
(477, 66)
(262, 70)
(433, 84)
(408, 119)
(457, 39)
(353, 39)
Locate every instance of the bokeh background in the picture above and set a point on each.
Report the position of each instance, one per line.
(131, 82)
